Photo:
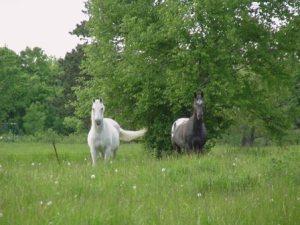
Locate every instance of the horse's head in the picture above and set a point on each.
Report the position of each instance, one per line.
(98, 111)
(198, 105)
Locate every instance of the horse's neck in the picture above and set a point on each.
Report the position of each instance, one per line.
(97, 128)
(197, 124)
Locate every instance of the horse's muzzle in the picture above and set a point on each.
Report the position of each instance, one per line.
(98, 122)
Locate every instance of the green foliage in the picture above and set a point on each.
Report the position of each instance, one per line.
(12, 86)
(148, 58)
(34, 119)
(71, 78)
(31, 88)
(73, 124)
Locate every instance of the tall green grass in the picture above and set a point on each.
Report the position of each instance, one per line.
(226, 186)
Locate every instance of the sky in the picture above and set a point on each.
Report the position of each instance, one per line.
(40, 23)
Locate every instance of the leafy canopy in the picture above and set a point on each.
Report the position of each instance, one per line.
(147, 58)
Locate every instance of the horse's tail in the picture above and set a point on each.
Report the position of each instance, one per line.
(129, 135)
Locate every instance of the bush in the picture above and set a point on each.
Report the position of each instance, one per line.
(34, 119)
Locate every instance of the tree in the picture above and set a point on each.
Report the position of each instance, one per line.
(34, 119)
(12, 80)
(43, 87)
(71, 77)
(151, 56)
(29, 81)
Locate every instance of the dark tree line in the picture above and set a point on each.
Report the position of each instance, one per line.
(147, 58)
(38, 91)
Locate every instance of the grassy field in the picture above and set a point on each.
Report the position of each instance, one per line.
(226, 186)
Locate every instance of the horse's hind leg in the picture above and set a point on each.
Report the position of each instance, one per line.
(114, 153)
(176, 147)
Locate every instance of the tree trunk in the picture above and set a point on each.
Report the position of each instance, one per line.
(248, 138)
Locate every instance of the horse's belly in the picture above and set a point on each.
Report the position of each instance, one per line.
(111, 142)
(114, 138)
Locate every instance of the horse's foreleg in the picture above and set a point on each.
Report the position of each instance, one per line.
(108, 154)
(93, 155)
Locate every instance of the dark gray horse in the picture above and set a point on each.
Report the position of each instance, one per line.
(190, 133)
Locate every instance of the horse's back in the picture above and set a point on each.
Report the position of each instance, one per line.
(112, 123)
(177, 124)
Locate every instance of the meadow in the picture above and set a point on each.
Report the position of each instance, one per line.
(228, 185)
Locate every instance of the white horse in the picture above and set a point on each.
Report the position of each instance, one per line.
(105, 133)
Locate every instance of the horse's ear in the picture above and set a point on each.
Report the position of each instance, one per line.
(94, 100)
(202, 94)
(101, 100)
(195, 95)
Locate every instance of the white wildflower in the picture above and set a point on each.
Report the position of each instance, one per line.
(49, 203)
(56, 182)
(134, 187)
(199, 194)
(93, 176)
(1, 214)
(259, 174)
(163, 170)
(32, 164)
(116, 170)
